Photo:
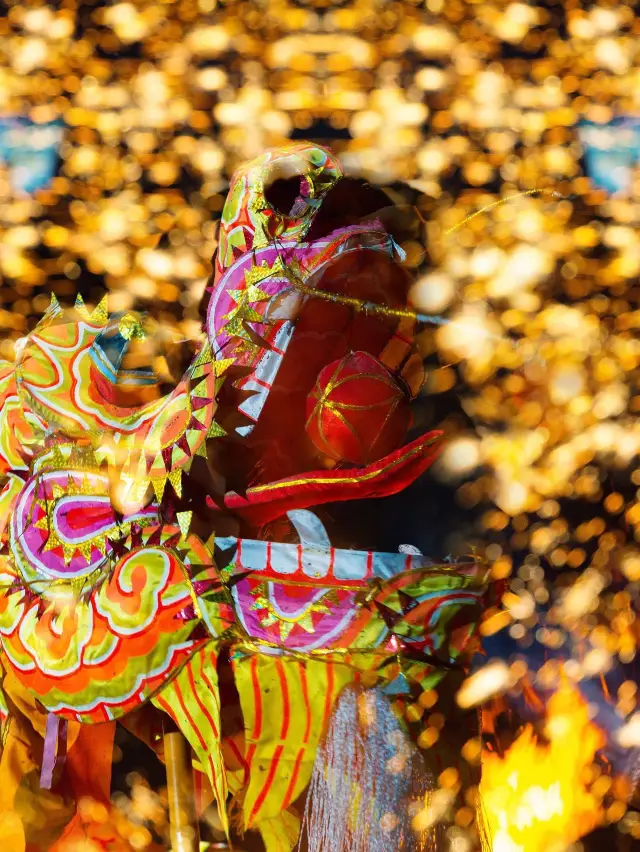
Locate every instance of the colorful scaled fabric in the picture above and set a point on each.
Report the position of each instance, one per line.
(91, 580)
(95, 650)
(120, 589)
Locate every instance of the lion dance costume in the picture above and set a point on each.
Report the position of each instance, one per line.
(130, 590)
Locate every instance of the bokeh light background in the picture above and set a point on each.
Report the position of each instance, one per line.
(452, 105)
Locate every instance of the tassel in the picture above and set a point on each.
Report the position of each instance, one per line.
(55, 735)
(368, 781)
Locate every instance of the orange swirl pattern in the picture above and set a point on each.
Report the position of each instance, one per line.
(95, 659)
(92, 602)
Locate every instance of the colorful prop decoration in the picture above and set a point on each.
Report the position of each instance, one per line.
(357, 411)
(122, 590)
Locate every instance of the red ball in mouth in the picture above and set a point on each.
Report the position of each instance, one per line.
(357, 412)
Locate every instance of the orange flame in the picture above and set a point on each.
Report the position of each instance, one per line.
(536, 798)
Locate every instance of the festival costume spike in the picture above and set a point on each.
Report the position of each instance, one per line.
(110, 602)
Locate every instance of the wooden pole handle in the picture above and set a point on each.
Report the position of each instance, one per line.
(181, 795)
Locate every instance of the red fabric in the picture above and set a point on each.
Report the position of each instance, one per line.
(265, 503)
(357, 412)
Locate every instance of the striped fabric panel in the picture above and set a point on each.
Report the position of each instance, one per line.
(192, 700)
(280, 833)
(286, 705)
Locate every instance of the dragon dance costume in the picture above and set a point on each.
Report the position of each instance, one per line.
(127, 585)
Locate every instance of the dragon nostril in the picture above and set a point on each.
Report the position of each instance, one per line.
(282, 194)
(348, 202)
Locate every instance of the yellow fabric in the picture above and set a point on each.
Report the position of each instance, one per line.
(37, 820)
(11, 831)
(280, 833)
(192, 699)
(30, 818)
(286, 706)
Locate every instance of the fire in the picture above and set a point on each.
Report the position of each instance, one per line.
(536, 798)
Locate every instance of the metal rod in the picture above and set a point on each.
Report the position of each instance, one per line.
(180, 791)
